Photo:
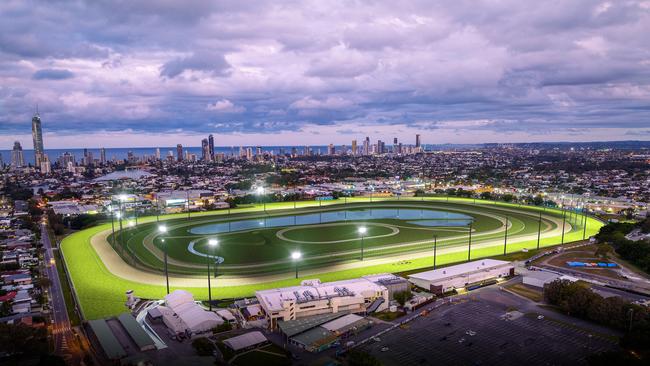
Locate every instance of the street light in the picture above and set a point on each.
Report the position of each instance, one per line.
(362, 231)
(212, 243)
(162, 229)
(296, 255)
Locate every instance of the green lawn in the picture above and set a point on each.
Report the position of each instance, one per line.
(262, 244)
(101, 293)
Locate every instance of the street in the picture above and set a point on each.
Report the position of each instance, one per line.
(65, 342)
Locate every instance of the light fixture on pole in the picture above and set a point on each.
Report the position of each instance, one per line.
(362, 231)
(296, 255)
(211, 243)
(162, 229)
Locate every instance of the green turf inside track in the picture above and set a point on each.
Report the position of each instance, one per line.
(101, 293)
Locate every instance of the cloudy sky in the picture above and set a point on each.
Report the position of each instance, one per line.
(148, 73)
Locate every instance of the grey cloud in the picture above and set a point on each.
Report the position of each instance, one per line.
(213, 63)
(52, 74)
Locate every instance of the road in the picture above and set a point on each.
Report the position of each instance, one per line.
(65, 341)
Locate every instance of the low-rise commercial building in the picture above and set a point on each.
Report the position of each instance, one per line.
(439, 281)
(361, 295)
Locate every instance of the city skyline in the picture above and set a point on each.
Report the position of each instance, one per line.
(308, 73)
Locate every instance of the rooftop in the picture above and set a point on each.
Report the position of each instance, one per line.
(459, 269)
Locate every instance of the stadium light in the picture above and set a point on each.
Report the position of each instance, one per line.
(362, 231)
(131, 224)
(212, 243)
(296, 255)
(163, 229)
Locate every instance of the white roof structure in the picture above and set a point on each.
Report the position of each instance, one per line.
(459, 269)
(195, 319)
(245, 340)
(542, 275)
(274, 298)
(226, 315)
(341, 322)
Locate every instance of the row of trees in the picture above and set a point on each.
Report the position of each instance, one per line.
(577, 299)
(636, 252)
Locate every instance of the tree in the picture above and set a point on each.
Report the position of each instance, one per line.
(603, 250)
(360, 358)
(44, 282)
(203, 346)
(402, 296)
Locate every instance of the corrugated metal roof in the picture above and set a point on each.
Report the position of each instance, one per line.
(111, 346)
(140, 337)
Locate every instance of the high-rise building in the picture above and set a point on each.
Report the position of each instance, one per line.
(37, 136)
(205, 150)
(102, 156)
(330, 149)
(17, 156)
(65, 159)
(45, 166)
(179, 152)
(157, 153)
(211, 146)
(2, 163)
(366, 146)
(354, 147)
(307, 151)
(249, 153)
(417, 140)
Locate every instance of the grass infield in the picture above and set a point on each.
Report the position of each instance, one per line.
(101, 293)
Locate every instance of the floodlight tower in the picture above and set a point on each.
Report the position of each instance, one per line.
(295, 256)
(212, 243)
(362, 231)
(162, 229)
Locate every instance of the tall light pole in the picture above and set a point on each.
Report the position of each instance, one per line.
(296, 255)
(162, 229)
(112, 225)
(505, 238)
(187, 198)
(469, 245)
(539, 229)
(211, 243)
(563, 223)
(435, 247)
(362, 231)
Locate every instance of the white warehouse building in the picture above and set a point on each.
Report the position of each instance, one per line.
(361, 295)
(439, 281)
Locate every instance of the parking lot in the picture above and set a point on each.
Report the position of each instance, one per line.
(474, 332)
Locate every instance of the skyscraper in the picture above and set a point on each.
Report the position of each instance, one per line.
(417, 140)
(102, 156)
(366, 146)
(157, 153)
(211, 146)
(330, 149)
(354, 147)
(205, 150)
(179, 152)
(17, 157)
(37, 136)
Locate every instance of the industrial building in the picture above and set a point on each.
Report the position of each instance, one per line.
(465, 275)
(320, 332)
(361, 295)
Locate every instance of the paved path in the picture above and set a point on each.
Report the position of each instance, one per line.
(65, 342)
